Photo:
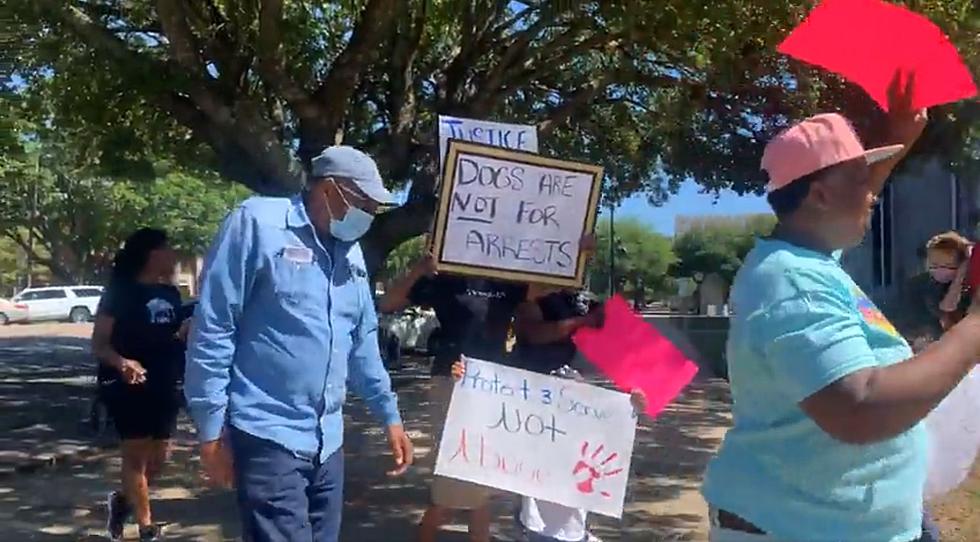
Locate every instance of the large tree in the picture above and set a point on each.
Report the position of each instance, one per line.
(642, 260)
(718, 244)
(656, 91)
(61, 208)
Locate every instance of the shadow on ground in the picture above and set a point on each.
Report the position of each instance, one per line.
(66, 502)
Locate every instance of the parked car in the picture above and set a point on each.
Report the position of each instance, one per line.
(12, 313)
(60, 303)
(415, 329)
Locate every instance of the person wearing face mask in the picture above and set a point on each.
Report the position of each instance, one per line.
(948, 260)
(286, 321)
(828, 442)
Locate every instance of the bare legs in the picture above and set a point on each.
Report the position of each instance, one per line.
(142, 461)
(435, 517)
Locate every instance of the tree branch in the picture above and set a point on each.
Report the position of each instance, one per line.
(576, 101)
(345, 75)
(272, 65)
(183, 43)
(402, 104)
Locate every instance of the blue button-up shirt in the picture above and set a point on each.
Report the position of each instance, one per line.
(286, 319)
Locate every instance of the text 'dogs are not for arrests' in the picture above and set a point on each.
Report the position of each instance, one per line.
(514, 215)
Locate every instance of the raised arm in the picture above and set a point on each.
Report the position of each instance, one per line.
(904, 126)
(531, 327)
(398, 293)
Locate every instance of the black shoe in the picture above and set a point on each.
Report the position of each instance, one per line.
(118, 514)
(150, 533)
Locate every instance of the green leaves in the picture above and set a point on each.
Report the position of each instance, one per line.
(643, 258)
(717, 244)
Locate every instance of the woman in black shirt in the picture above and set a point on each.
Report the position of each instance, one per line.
(139, 340)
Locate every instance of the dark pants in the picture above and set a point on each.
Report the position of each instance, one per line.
(285, 498)
(930, 531)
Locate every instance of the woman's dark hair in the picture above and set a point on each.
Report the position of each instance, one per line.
(788, 199)
(132, 257)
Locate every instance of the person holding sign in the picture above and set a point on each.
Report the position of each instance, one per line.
(286, 322)
(545, 323)
(827, 442)
(544, 521)
(474, 317)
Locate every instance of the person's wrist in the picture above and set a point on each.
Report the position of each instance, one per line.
(116, 361)
(968, 334)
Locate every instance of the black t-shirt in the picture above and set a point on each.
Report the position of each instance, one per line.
(474, 316)
(147, 319)
(545, 358)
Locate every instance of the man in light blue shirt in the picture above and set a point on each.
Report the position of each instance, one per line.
(827, 443)
(286, 320)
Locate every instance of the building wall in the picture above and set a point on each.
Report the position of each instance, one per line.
(188, 273)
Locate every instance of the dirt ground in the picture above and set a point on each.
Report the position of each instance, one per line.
(959, 514)
(672, 505)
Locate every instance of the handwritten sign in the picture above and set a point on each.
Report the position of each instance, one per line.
(518, 137)
(544, 437)
(514, 215)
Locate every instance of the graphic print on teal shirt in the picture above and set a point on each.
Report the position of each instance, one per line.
(872, 315)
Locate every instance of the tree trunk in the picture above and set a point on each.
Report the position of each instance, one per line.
(393, 228)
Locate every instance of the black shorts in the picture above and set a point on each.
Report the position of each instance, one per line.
(140, 412)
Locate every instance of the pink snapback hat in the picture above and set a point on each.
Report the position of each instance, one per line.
(816, 143)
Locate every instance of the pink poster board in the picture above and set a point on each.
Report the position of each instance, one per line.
(634, 355)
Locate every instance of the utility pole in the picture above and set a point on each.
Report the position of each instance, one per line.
(32, 221)
(612, 249)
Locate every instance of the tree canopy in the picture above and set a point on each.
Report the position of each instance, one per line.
(55, 188)
(718, 244)
(643, 258)
(657, 92)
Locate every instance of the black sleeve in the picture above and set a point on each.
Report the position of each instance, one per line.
(113, 301)
(423, 292)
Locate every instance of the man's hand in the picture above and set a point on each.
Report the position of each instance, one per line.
(132, 371)
(426, 266)
(459, 370)
(401, 449)
(595, 318)
(588, 245)
(185, 329)
(639, 401)
(218, 464)
(905, 124)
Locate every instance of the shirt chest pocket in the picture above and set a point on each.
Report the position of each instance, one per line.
(349, 285)
(300, 284)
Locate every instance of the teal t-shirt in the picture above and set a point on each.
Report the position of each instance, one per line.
(800, 323)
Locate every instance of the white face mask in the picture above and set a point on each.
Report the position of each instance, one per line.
(354, 224)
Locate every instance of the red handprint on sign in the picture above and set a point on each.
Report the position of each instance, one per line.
(589, 469)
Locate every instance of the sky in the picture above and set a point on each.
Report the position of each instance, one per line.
(688, 201)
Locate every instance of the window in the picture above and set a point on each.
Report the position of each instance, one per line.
(50, 294)
(87, 292)
(881, 240)
(26, 296)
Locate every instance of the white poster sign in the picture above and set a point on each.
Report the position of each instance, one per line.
(514, 215)
(518, 137)
(544, 437)
(954, 437)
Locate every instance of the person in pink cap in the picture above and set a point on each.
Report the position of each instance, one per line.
(827, 443)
